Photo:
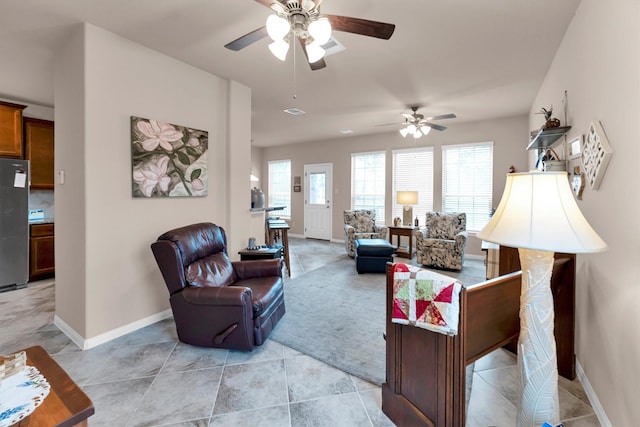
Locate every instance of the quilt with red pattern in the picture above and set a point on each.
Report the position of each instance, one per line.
(425, 299)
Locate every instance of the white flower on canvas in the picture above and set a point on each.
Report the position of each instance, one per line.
(158, 134)
(152, 174)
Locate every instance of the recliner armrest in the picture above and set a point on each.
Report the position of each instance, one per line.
(222, 296)
(257, 268)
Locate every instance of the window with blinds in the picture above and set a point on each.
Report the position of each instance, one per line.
(467, 181)
(367, 182)
(413, 171)
(280, 186)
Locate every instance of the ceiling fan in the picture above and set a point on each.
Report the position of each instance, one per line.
(417, 124)
(301, 19)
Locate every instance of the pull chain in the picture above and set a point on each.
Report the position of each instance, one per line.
(294, 70)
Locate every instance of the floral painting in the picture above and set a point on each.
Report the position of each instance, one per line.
(168, 160)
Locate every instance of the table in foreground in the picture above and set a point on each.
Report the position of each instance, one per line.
(66, 405)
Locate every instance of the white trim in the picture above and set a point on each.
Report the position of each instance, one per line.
(474, 256)
(297, 236)
(337, 241)
(593, 398)
(88, 343)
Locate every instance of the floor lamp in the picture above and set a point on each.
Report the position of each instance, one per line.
(407, 198)
(539, 215)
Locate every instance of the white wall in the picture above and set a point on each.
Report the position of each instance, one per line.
(510, 136)
(598, 64)
(106, 275)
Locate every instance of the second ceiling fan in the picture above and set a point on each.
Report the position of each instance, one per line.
(417, 125)
(301, 19)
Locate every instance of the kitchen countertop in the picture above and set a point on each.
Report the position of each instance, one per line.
(41, 221)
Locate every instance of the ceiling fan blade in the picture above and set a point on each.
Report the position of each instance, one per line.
(318, 65)
(441, 117)
(363, 27)
(247, 39)
(433, 126)
(268, 3)
(389, 124)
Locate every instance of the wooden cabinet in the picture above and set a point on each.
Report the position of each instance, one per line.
(41, 251)
(38, 144)
(11, 129)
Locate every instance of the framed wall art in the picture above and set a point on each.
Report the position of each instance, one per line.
(574, 148)
(167, 160)
(595, 155)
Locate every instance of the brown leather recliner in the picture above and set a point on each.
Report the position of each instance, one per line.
(216, 302)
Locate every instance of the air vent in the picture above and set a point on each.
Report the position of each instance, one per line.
(294, 111)
(333, 46)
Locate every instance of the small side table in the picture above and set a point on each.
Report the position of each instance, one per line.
(262, 253)
(66, 405)
(402, 231)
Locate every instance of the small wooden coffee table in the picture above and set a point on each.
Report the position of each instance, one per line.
(66, 405)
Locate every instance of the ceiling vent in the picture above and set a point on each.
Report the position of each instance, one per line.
(294, 111)
(333, 46)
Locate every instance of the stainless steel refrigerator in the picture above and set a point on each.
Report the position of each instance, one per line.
(14, 223)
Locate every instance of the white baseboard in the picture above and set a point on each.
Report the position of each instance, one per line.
(297, 236)
(593, 398)
(87, 343)
(473, 256)
(337, 241)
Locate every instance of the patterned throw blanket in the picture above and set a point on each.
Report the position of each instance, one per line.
(425, 299)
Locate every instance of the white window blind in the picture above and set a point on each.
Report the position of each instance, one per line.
(280, 186)
(367, 182)
(413, 171)
(467, 181)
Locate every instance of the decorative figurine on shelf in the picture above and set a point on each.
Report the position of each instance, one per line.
(397, 221)
(550, 122)
(578, 182)
(417, 223)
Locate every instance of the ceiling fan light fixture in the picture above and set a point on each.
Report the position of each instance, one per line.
(412, 128)
(277, 27)
(417, 134)
(314, 52)
(279, 49)
(404, 132)
(320, 30)
(425, 130)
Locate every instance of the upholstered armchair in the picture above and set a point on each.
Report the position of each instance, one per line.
(361, 224)
(217, 302)
(441, 243)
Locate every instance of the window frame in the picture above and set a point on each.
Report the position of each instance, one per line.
(286, 212)
(425, 196)
(475, 219)
(380, 184)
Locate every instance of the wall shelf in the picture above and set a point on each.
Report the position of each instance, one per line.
(545, 138)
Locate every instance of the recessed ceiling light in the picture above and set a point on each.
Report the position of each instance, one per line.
(345, 131)
(294, 111)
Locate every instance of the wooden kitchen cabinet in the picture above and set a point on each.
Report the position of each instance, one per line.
(38, 144)
(11, 129)
(41, 251)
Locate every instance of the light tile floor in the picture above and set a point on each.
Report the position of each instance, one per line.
(149, 378)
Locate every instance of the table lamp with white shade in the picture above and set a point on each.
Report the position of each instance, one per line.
(407, 198)
(539, 215)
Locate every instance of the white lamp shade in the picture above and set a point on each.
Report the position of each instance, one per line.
(314, 52)
(412, 128)
(417, 134)
(320, 30)
(277, 27)
(407, 197)
(404, 132)
(279, 49)
(538, 211)
(425, 130)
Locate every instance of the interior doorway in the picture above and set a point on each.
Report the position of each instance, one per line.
(318, 200)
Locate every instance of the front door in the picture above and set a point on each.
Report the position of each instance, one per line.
(318, 189)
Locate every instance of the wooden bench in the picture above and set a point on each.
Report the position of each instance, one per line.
(425, 371)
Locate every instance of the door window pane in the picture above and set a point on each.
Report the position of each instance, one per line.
(317, 188)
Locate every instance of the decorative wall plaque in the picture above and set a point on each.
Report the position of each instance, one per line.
(596, 152)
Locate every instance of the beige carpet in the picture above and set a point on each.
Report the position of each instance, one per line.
(337, 316)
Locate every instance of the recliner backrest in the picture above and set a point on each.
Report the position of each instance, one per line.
(194, 255)
(442, 225)
(363, 220)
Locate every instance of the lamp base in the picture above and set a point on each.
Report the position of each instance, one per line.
(538, 401)
(407, 216)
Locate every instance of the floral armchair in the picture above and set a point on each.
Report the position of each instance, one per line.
(442, 242)
(361, 224)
